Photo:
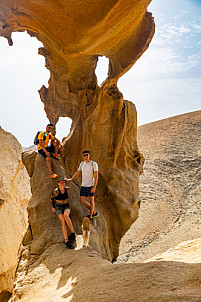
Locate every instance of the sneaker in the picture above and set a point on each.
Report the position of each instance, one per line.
(90, 219)
(71, 238)
(53, 175)
(56, 155)
(69, 245)
(88, 216)
(95, 215)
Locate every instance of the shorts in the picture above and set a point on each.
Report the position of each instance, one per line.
(60, 208)
(50, 149)
(86, 191)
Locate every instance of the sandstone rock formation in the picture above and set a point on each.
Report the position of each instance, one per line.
(14, 196)
(74, 35)
(47, 271)
(170, 188)
(65, 275)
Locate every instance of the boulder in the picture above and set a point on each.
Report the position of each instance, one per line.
(14, 195)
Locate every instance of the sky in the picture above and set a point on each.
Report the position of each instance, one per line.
(164, 82)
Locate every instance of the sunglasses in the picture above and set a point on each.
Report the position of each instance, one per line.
(85, 154)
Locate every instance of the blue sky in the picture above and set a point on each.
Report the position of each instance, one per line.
(165, 81)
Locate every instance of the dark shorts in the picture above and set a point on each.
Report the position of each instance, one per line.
(86, 191)
(50, 149)
(60, 208)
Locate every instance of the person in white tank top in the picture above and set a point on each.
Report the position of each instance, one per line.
(89, 172)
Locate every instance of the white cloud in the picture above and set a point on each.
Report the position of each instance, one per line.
(159, 99)
(196, 27)
(162, 62)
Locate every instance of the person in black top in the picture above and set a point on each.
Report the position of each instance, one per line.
(60, 207)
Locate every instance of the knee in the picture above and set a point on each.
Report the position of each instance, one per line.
(48, 159)
(91, 200)
(56, 143)
(67, 216)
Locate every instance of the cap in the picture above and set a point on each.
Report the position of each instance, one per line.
(61, 178)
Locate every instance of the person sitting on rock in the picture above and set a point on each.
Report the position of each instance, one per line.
(48, 147)
(60, 207)
(89, 171)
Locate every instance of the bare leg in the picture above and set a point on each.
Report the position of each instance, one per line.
(48, 162)
(56, 146)
(64, 227)
(91, 200)
(84, 202)
(87, 205)
(68, 220)
(61, 148)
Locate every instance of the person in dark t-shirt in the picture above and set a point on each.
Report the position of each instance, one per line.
(60, 207)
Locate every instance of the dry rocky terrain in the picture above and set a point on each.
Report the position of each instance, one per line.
(73, 37)
(170, 188)
(164, 240)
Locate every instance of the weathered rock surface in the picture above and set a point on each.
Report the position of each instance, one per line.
(48, 271)
(14, 195)
(187, 251)
(74, 35)
(170, 188)
(65, 275)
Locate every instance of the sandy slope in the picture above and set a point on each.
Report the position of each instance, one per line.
(170, 188)
(60, 274)
(170, 214)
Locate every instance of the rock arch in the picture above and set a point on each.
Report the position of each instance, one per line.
(73, 37)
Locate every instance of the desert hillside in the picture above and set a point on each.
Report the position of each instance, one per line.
(169, 187)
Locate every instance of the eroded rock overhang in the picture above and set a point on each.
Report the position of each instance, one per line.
(74, 34)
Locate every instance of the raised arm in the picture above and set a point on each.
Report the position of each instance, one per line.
(78, 172)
